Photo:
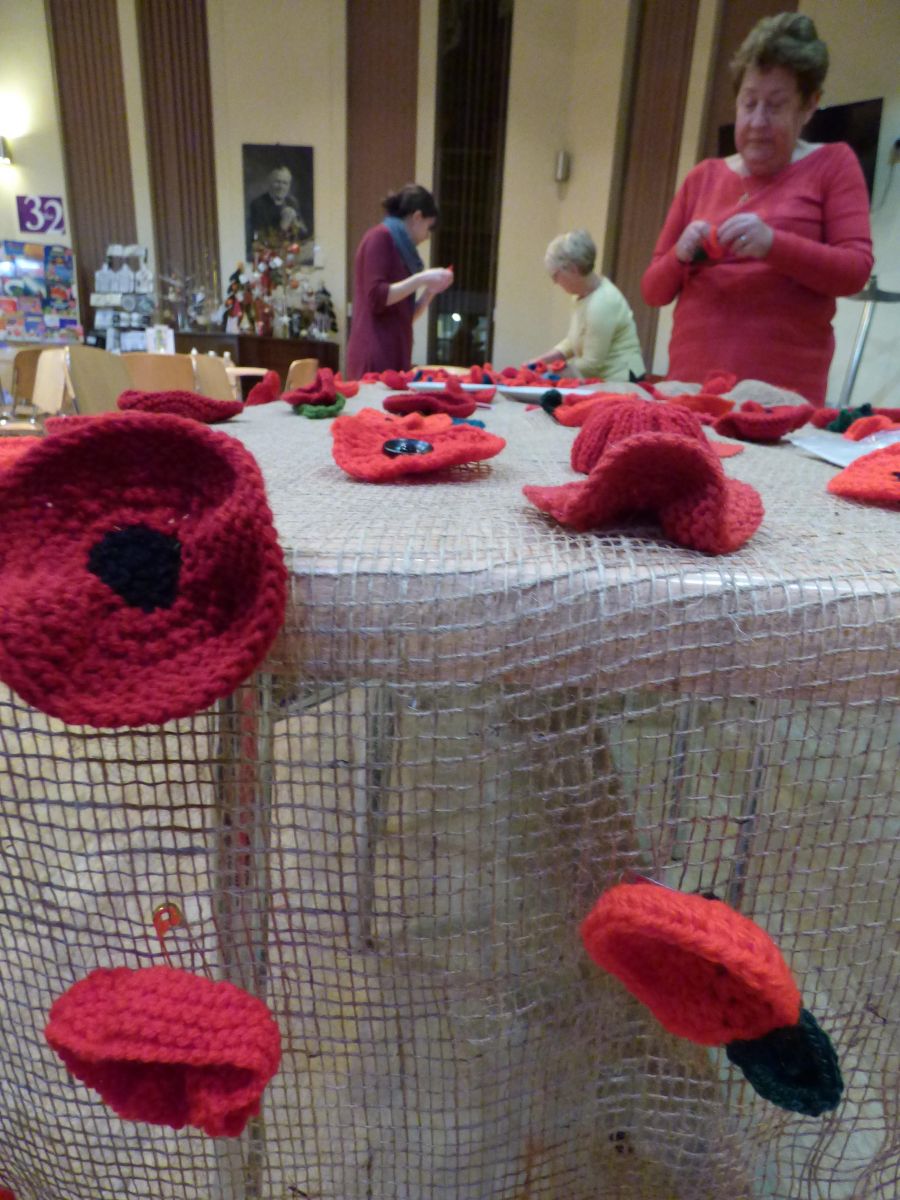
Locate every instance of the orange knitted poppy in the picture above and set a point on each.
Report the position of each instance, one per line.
(872, 479)
(705, 972)
(376, 448)
(866, 426)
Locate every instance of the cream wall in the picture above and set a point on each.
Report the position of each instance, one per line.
(278, 74)
(566, 71)
(28, 116)
(863, 38)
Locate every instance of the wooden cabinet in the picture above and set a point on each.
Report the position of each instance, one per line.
(247, 350)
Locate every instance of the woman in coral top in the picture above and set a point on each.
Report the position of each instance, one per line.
(387, 275)
(756, 247)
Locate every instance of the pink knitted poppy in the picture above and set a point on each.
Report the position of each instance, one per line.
(181, 404)
(168, 1047)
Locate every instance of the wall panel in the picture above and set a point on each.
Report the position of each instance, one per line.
(382, 96)
(178, 113)
(84, 43)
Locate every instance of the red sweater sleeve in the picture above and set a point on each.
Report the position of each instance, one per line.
(663, 279)
(841, 263)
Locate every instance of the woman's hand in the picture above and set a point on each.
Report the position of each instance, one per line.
(746, 236)
(436, 279)
(689, 242)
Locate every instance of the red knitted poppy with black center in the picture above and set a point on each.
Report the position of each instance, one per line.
(145, 580)
(181, 404)
(360, 446)
(872, 479)
(168, 1047)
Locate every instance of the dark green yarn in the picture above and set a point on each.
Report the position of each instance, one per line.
(796, 1067)
(847, 416)
(317, 411)
(550, 401)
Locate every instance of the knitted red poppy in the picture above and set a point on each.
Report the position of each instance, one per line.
(713, 976)
(866, 426)
(376, 448)
(707, 406)
(705, 972)
(6, 1194)
(11, 449)
(267, 390)
(181, 404)
(145, 580)
(609, 423)
(717, 382)
(574, 410)
(321, 391)
(670, 475)
(345, 387)
(455, 404)
(872, 479)
(168, 1047)
(754, 422)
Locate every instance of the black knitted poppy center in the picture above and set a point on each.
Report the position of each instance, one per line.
(141, 565)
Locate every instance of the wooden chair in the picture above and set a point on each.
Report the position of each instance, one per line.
(213, 378)
(301, 373)
(97, 379)
(48, 392)
(160, 372)
(24, 372)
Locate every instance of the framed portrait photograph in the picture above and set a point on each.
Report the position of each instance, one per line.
(278, 197)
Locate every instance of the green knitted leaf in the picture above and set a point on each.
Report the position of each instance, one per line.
(796, 1067)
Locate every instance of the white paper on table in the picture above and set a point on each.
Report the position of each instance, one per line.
(837, 449)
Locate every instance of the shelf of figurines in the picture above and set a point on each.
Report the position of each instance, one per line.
(123, 300)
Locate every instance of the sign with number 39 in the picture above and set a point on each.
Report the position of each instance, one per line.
(41, 214)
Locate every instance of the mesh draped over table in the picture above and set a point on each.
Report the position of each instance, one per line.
(473, 723)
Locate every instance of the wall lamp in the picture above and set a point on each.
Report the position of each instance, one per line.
(5, 156)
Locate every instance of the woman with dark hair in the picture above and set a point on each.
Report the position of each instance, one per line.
(387, 275)
(757, 247)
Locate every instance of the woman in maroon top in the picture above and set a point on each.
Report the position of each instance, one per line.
(387, 275)
(756, 247)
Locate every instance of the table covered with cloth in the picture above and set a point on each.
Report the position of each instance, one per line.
(473, 723)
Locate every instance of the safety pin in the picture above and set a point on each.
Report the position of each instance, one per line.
(166, 916)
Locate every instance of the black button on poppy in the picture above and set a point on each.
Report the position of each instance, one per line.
(394, 447)
(140, 564)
